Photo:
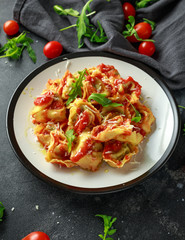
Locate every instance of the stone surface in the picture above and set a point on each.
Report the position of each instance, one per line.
(154, 209)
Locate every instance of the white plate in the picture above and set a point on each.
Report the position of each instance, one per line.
(158, 148)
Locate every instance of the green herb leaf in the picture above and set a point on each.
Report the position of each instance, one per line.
(137, 117)
(131, 31)
(82, 22)
(76, 87)
(144, 3)
(14, 47)
(30, 50)
(61, 11)
(101, 99)
(83, 26)
(70, 138)
(94, 36)
(108, 222)
(181, 106)
(152, 23)
(1, 211)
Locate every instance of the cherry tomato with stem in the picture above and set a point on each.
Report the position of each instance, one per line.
(144, 31)
(128, 10)
(11, 27)
(53, 49)
(37, 236)
(147, 48)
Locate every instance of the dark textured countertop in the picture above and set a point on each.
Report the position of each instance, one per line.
(154, 209)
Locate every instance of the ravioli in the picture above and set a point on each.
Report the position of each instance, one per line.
(86, 131)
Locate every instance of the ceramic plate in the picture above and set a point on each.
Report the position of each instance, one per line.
(153, 153)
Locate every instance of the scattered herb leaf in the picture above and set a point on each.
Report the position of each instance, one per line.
(83, 26)
(181, 106)
(144, 3)
(108, 230)
(137, 117)
(101, 99)
(82, 22)
(152, 23)
(131, 31)
(14, 47)
(94, 36)
(61, 11)
(1, 211)
(70, 138)
(76, 87)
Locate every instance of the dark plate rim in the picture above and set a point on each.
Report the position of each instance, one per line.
(22, 158)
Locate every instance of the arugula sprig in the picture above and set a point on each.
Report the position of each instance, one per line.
(144, 3)
(131, 31)
(70, 138)
(76, 87)
(68, 11)
(101, 99)
(137, 117)
(15, 46)
(108, 230)
(2, 208)
(83, 25)
(152, 23)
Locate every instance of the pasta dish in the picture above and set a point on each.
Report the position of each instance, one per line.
(89, 117)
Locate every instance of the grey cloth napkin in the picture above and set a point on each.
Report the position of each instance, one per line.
(39, 17)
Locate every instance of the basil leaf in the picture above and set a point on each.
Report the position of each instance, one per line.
(101, 99)
(61, 11)
(70, 138)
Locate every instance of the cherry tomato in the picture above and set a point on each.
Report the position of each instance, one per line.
(144, 31)
(128, 10)
(53, 49)
(11, 27)
(36, 236)
(147, 48)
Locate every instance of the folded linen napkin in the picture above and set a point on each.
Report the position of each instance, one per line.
(39, 17)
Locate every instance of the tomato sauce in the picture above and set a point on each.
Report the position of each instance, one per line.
(82, 122)
(136, 89)
(84, 150)
(64, 81)
(56, 105)
(112, 147)
(44, 99)
(63, 154)
(98, 129)
(108, 70)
